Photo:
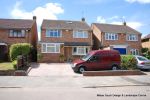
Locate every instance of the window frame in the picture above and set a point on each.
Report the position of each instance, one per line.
(80, 34)
(17, 33)
(78, 48)
(47, 45)
(55, 33)
(111, 36)
(132, 37)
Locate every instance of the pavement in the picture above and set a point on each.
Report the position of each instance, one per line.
(72, 86)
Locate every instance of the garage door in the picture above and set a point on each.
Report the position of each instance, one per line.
(121, 50)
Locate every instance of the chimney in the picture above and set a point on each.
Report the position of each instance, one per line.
(83, 19)
(34, 17)
(124, 23)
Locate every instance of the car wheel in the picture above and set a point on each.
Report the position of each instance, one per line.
(81, 69)
(114, 67)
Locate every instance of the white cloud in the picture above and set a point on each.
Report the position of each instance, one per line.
(100, 19)
(119, 21)
(48, 11)
(133, 24)
(139, 1)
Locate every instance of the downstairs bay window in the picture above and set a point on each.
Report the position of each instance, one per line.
(80, 50)
(50, 48)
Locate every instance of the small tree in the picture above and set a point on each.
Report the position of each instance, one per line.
(19, 49)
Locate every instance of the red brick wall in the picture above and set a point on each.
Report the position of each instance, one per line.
(67, 36)
(34, 35)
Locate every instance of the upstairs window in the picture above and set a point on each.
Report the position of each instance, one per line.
(111, 36)
(17, 33)
(132, 37)
(53, 33)
(80, 34)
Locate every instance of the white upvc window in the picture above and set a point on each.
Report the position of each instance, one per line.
(17, 33)
(134, 51)
(80, 50)
(111, 36)
(53, 33)
(50, 48)
(80, 34)
(132, 37)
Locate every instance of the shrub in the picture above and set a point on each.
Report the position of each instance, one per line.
(145, 52)
(19, 49)
(14, 63)
(128, 62)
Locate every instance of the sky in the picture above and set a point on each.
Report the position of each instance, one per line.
(136, 13)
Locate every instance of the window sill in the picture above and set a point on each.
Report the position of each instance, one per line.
(78, 54)
(111, 40)
(80, 38)
(16, 37)
(51, 52)
(132, 40)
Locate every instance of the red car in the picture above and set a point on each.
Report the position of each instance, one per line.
(98, 60)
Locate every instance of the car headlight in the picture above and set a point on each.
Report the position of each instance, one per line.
(74, 64)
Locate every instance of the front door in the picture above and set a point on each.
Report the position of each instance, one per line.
(3, 52)
(68, 53)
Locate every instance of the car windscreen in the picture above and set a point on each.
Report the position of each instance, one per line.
(142, 59)
(86, 57)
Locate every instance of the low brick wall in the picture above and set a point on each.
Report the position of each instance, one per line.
(7, 72)
(113, 73)
(15, 72)
(20, 73)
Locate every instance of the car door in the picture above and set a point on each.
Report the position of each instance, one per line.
(93, 63)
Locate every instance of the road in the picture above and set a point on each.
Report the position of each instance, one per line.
(75, 88)
(101, 93)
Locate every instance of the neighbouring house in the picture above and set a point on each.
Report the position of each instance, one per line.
(146, 41)
(119, 37)
(64, 39)
(16, 31)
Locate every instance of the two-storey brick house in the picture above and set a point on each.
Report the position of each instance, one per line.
(16, 31)
(119, 37)
(71, 39)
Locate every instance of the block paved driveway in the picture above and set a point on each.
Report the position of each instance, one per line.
(52, 69)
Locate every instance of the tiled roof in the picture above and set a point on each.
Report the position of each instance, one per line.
(110, 28)
(147, 36)
(65, 24)
(15, 23)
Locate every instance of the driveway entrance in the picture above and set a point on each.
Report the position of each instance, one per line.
(52, 69)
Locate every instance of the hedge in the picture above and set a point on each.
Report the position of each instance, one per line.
(19, 49)
(128, 62)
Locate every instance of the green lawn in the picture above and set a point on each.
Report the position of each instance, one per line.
(6, 66)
